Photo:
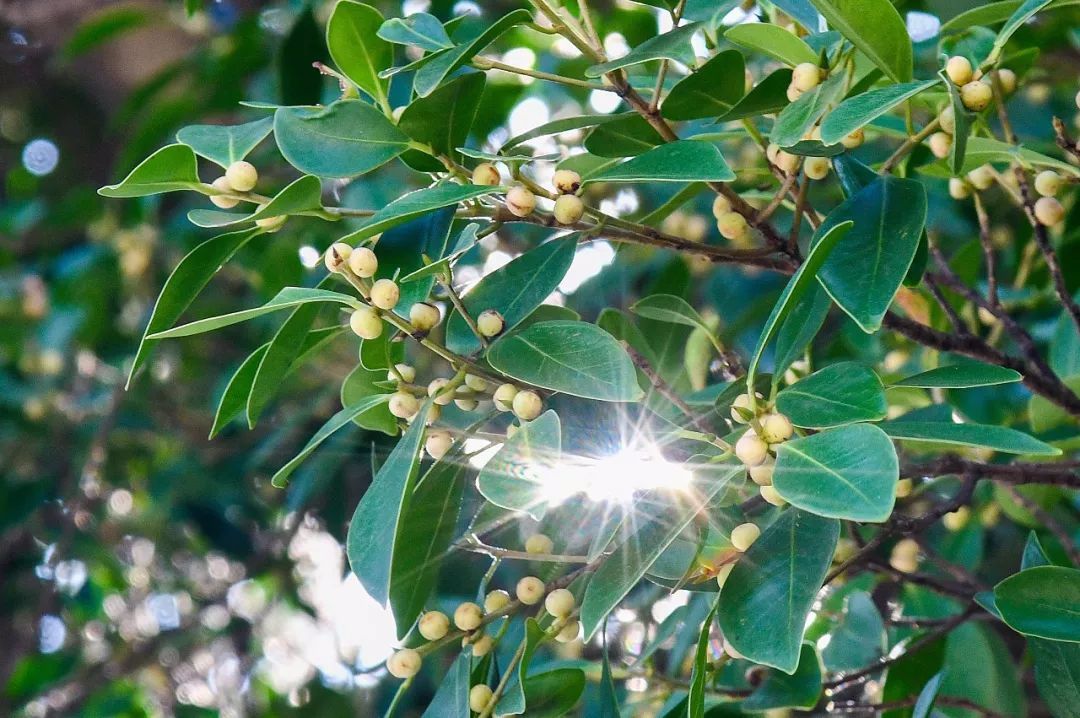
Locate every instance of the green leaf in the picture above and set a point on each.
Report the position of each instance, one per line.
(465, 241)
(554, 693)
(801, 689)
(336, 422)
(1043, 601)
(695, 699)
(513, 701)
(679, 161)
(765, 601)
(672, 45)
(442, 120)
(170, 169)
(981, 150)
(866, 269)
(839, 394)
(876, 28)
(105, 26)
(360, 384)
(376, 527)
(280, 354)
(433, 73)
(766, 97)
(858, 639)
(1018, 18)
(670, 308)
(419, 29)
(979, 667)
(623, 137)
(285, 299)
(357, 49)
(515, 477)
(234, 398)
(514, 290)
(345, 139)
(414, 204)
(772, 40)
(962, 120)
(925, 703)
(998, 438)
(565, 124)
(801, 326)
(184, 284)
(303, 196)
(795, 120)
(451, 700)
(661, 521)
(984, 14)
(1057, 667)
(711, 91)
(1044, 415)
(861, 110)
(225, 144)
(962, 375)
(574, 358)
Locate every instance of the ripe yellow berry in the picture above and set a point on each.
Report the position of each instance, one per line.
(806, 76)
(982, 177)
(958, 188)
(403, 405)
(956, 520)
(722, 574)
(433, 625)
(486, 174)
(475, 383)
(336, 256)
(385, 293)
(1048, 183)
(496, 601)
(904, 488)
(539, 543)
(947, 120)
(504, 397)
(424, 316)
(751, 449)
(438, 443)
(468, 616)
(221, 184)
(527, 405)
(559, 603)
(482, 646)
(520, 201)
(569, 632)
(743, 536)
(772, 496)
(940, 144)
(365, 323)
(436, 389)
(816, 168)
(406, 372)
(776, 428)
(530, 590)
(568, 209)
(1007, 78)
(762, 474)
(1049, 211)
(242, 176)
(976, 95)
(566, 181)
(490, 323)
(720, 206)
(855, 139)
(404, 664)
(732, 225)
(271, 224)
(363, 262)
(959, 70)
(784, 160)
(479, 697)
(905, 556)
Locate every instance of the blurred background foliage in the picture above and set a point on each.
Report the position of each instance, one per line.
(149, 571)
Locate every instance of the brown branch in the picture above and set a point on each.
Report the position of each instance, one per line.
(1019, 473)
(665, 390)
(1049, 521)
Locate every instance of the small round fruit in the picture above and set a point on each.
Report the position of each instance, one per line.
(1049, 211)
(720, 206)
(530, 590)
(490, 323)
(855, 139)
(476, 383)
(905, 556)
(468, 616)
(438, 443)
(722, 574)
(482, 646)
(772, 496)
(366, 323)
(424, 316)
(959, 70)
(504, 397)
(1007, 78)
(242, 176)
(403, 405)
(784, 160)
(436, 389)
(904, 488)
(816, 168)
(762, 474)
(337, 256)
(404, 663)
(1048, 183)
(982, 177)
(466, 404)
(363, 262)
(527, 405)
(479, 697)
(569, 209)
(405, 371)
(486, 174)
(743, 536)
(385, 293)
(776, 428)
(976, 95)
(433, 625)
(956, 520)
(751, 449)
(845, 549)
(271, 224)
(520, 201)
(566, 181)
(221, 184)
(958, 188)
(496, 601)
(740, 408)
(569, 632)
(732, 225)
(806, 76)
(560, 603)
(940, 144)
(539, 543)
(947, 120)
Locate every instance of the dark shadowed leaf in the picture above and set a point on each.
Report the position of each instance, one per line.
(801, 689)
(711, 91)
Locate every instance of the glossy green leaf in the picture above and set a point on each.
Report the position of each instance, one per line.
(419, 29)
(1021, 15)
(672, 45)
(981, 150)
(515, 477)
(695, 699)
(979, 667)
(858, 638)
(846, 473)
(875, 28)
(961, 376)
(679, 161)
(170, 169)
(570, 357)
(772, 40)
(280, 354)
(565, 124)
(434, 73)
(765, 600)
(984, 14)
(234, 398)
(360, 384)
(451, 700)
(998, 438)
(554, 693)
(795, 120)
(1043, 601)
(513, 701)
(669, 308)
(766, 97)
(711, 91)
(800, 327)
(376, 528)
(345, 139)
(1057, 665)
(302, 196)
(623, 137)
(225, 144)
(860, 110)
(925, 703)
(414, 204)
(357, 49)
(842, 393)
(801, 689)
(442, 120)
